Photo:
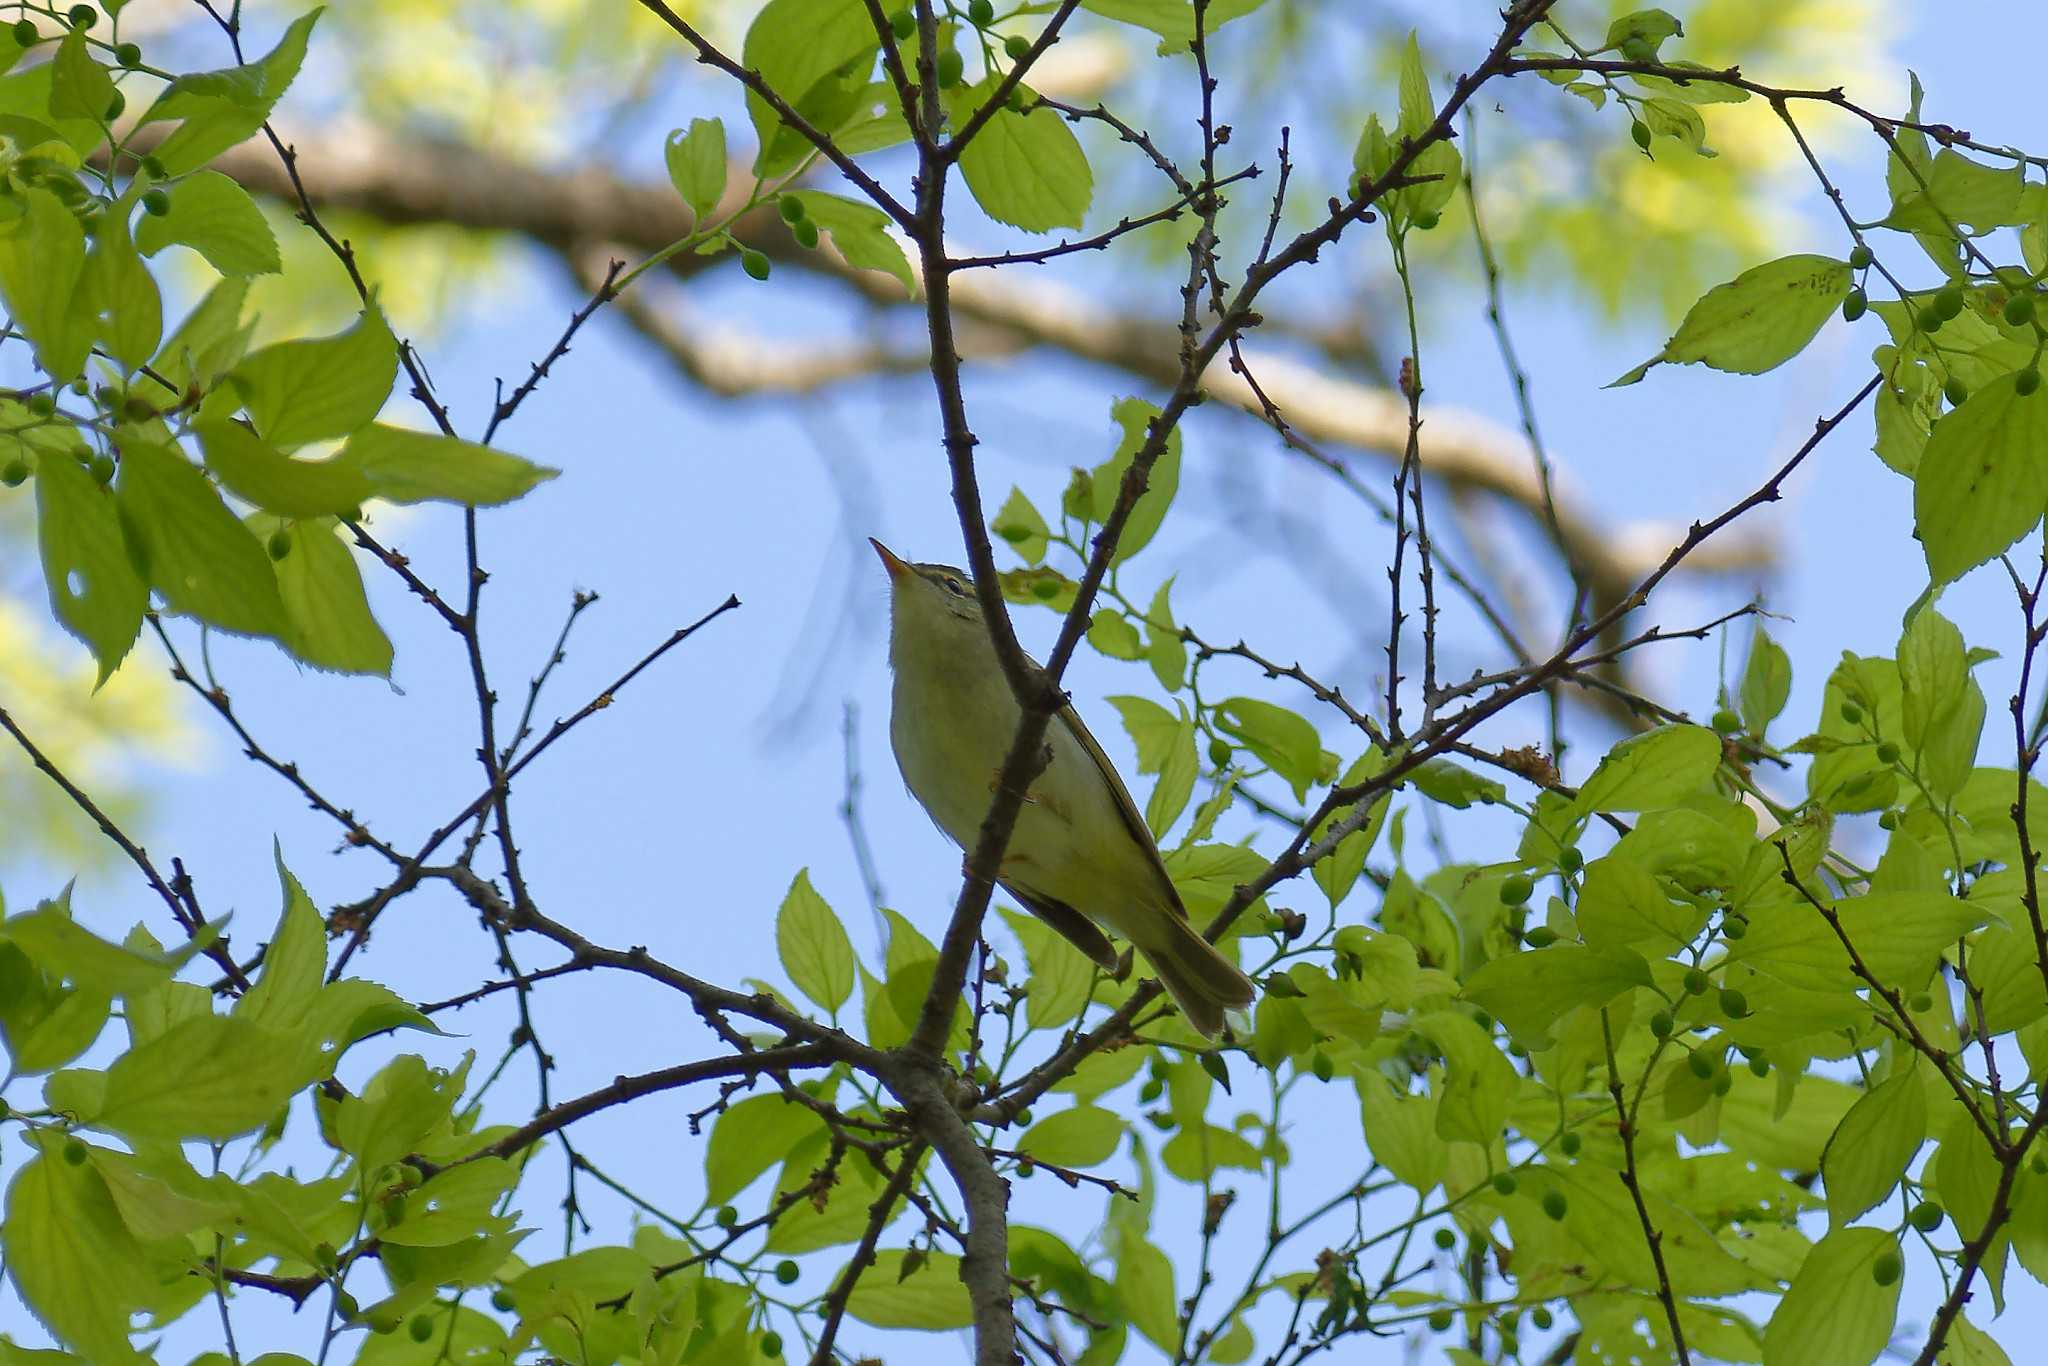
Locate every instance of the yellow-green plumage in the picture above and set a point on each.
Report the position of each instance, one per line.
(1080, 854)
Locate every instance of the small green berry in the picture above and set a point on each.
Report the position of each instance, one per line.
(1887, 753)
(1855, 305)
(1695, 982)
(1427, 219)
(1504, 1183)
(727, 1216)
(903, 24)
(1760, 1067)
(1023, 1117)
(153, 168)
(1723, 1082)
(791, 208)
(25, 34)
(280, 544)
(1886, 1268)
(1859, 256)
(1888, 820)
(128, 55)
(1554, 1204)
(1733, 927)
(157, 203)
(805, 232)
(421, 1328)
(385, 1321)
(1017, 47)
(115, 105)
(1515, 889)
(951, 66)
(1733, 1003)
(42, 404)
(102, 468)
(1921, 1003)
(1045, 590)
(1570, 860)
(771, 1345)
(980, 13)
(502, 1301)
(1542, 937)
(1640, 131)
(1700, 1064)
(1446, 1239)
(2019, 309)
(786, 1272)
(1955, 391)
(1570, 1144)
(1727, 722)
(1851, 713)
(1661, 1024)
(754, 263)
(84, 16)
(1928, 320)
(15, 473)
(345, 1306)
(1948, 301)
(1541, 1317)
(74, 1152)
(1320, 1064)
(1440, 1320)
(2026, 381)
(1219, 753)
(1152, 1090)
(1926, 1216)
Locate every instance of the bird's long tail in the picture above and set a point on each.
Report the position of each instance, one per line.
(1202, 982)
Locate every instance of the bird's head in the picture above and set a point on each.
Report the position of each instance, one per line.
(935, 599)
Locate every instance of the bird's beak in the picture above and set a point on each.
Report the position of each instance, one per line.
(897, 568)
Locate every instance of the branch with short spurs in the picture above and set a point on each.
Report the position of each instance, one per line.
(879, 1215)
(1632, 1179)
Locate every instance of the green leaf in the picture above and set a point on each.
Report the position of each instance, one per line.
(1144, 1285)
(94, 589)
(813, 945)
(749, 1138)
(194, 552)
(1983, 479)
(42, 260)
(1134, 417)
(1440, 780)
(1172, 20)
(1165, 651)
(1060, 973)
(1835, 1311)
(1621, 904)
(215, 110)
(1640, 34)
(209, 342)
(1281, 739)
(1873, 1145)
(80, 87)
(62, 947)
(696, 165)
(1439, 159)
(931, 1296)
(1026, 170)
(119, 294)
(1757, 321)
(250, 468)
(1018, 524)
(861, 232)
(316, 389)
(806, 1227)
(1480, 1082)
(294, 960)
(1176, 783)
(1080, 1137)
(321, 585)
(1766, 682)
(1969, 1345)
(77, 1266)
(1338, 873)
(455, 1204)
(1400, 1131)
(216, 218)
(1655, 769)
(70, 1025)
(213, 1077)
(405, 466)
(1958, 192)
(1529, 992)
(815, 54)
(1941, 706)
(1112, 634)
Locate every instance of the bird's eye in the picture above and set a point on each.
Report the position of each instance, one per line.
(954, 587)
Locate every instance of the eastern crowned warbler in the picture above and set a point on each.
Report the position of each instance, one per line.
(1080, 853)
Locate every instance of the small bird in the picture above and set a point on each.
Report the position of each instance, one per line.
(1080, 853)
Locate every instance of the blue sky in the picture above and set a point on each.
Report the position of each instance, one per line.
(677, 817)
